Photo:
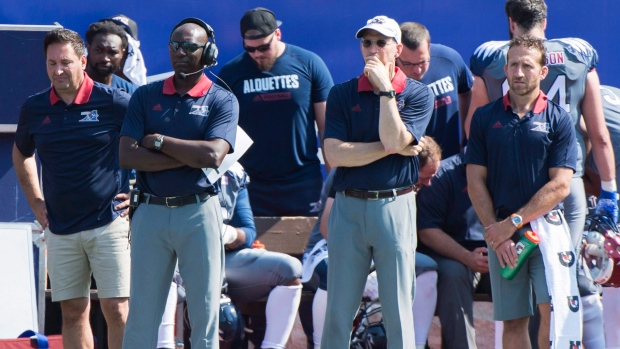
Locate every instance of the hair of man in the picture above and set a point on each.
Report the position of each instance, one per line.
(413, 34)
(526, 13)
(530, 43)
(105, 28)
(64, 36)
(430, 152)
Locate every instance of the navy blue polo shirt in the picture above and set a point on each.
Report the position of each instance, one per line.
(445, 205)
(78, 148)
(205, 112)
(353, 116)
(518, 152)
(448, 76)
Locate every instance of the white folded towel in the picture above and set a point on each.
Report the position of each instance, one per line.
(560, 262)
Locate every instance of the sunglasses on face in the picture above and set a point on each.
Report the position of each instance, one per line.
(260, 48)
(380, 43)
(406, 64)
(186, 46)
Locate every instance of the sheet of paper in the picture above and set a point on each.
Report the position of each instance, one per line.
(242, 143)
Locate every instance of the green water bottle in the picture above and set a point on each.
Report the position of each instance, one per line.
(528, 242)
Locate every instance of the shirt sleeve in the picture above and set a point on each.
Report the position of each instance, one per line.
(321, 80)
(335, 118)
(563, 152)
(417, 108)
(23, 139)
(121, 103)
(242, 217)
(223, 118)
(476, 147)
(134, 123)
(466, 78)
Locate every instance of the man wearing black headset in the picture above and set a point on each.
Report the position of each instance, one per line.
(175, 128)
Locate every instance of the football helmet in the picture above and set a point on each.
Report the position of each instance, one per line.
(231, 323)
(601, 250)
(368, 330)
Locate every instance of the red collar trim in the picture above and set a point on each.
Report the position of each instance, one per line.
(398, 82)
(539, 105)
(83, 94)
(199, 90)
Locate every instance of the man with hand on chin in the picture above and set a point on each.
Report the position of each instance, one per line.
(373, 124)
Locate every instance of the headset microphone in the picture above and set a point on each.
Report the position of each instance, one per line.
(183, 76)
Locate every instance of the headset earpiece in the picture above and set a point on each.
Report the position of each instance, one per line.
(209, 53)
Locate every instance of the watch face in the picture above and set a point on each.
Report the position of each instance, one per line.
(516, 220)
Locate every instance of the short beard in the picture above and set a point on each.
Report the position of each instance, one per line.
(96, 70)
(265, 65)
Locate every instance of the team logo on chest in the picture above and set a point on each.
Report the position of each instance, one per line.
(400, 105)
(540, 127)
(202, 110)
(90, 116)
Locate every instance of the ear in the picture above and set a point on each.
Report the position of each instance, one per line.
(512, 25)
(399, 50)
(83, 61)
(543, 72)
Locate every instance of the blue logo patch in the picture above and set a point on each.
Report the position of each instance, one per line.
(567, 258)
(202, 110)
(400, 105)
(573, 303)
(90, 116)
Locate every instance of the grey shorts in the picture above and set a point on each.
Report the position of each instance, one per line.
(104, 251)
(512, 299)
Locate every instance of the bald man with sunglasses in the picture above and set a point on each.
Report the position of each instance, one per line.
(282, 90)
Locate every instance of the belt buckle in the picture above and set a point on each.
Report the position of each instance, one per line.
(376, 195)
(169, 205)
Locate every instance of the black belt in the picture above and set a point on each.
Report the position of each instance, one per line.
(377, 194)
(175, 201)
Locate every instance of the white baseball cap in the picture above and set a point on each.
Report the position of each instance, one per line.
(383, 25)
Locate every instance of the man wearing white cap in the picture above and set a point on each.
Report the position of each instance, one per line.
(373, 124)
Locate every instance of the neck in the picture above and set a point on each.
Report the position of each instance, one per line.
(522, 105)
(537, 32)
(280, 46)
(67, 96)
(184, 85)
(106, 80)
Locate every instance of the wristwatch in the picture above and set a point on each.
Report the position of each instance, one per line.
(516, 220)
(158, 142)
(390, 93)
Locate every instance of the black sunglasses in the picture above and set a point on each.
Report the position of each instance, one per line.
(186, 46)
(380, 43)
(260, 48)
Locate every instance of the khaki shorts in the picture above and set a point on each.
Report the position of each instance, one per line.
(104, 251)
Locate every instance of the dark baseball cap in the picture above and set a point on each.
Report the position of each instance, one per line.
(127, 23)
(261, 20)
